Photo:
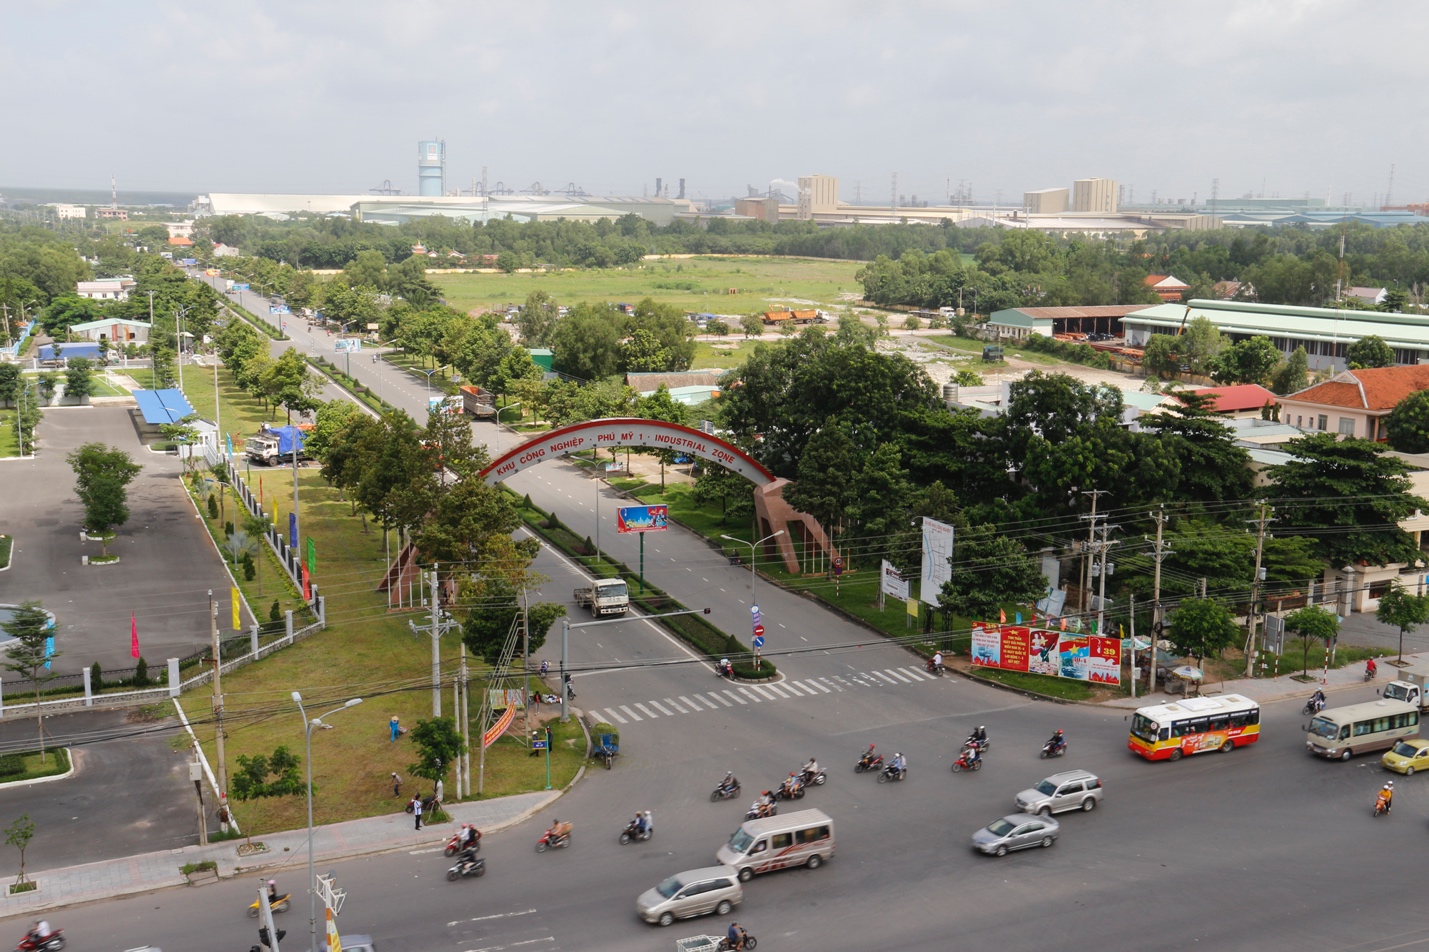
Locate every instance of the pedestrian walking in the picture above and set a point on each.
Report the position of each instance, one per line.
(417, 810)
(396, 784)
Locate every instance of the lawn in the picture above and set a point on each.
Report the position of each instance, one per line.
(965, 345)
(239, 414)
(701, 283)
(9, 444)
(713, 353)
(103, 388)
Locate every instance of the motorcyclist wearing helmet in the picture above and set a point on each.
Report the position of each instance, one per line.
(970, 754)
(765, 804)
(811, 770)
(272, 890)
(729, 782)
(1386, 793)
(899, 764)
(1058, 741)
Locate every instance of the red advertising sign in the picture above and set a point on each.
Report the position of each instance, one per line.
(1053, 653)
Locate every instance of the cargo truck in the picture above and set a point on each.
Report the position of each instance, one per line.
(1410, 685)
(273, 446)
(607, 596)
(478, 401)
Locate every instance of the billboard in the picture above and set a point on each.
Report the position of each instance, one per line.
(937, 559)
(642, 519)
(893, 583)
(1042, 651)
(347, 344)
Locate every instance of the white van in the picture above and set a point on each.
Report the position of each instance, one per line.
(805, 838)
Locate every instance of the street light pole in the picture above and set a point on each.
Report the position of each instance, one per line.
(753, 549)
(498, 423)
(308, 726)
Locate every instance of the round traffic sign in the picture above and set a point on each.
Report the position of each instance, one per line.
(759, 631)
(759, 641)
(838, 561)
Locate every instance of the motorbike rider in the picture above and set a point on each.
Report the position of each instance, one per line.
(811, 770)
(725, 668)
(765, 803)
(1386, 793)
(1318, 699)
(937, 661)
(1370, 668)
(41, 931)
(272, 890)
(640, 823)
(469, 836)
(899, 765)
(970, 754)
(1058, 741)
(558, 830)
(868, 755)
(729, 782)
(979, 737)
(736, 936)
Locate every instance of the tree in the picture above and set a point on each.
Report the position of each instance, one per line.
(102, 476)
(79, 379)
(1403, 610)
(1312, 623)
(497, 613)
(537, 318)
(18, 835)
(731, 490)
(661, 406)
(716, 326)
(289, 383)
(9, 382)
(268, 776)
(332, 417)
(823, 488)
(29, 655)
(752, 325)
(1350, 496)
(1213, 467)
(1408, 424)
(989, 570)
(1247, 361)
(1201, 343)
(439, 744)
(1293, 375)
(1370, 351)
(1202, 626)
(586, 342)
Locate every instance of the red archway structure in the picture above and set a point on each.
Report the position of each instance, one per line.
(607, 434)
(771, 511)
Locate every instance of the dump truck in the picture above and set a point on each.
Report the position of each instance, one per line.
(273, 446)
(778, 317)
(606, 596)
(478, 401)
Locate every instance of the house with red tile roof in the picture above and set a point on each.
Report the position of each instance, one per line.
(1167, 288)
(1355, 402)
(1239, 402)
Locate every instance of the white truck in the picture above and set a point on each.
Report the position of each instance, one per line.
(607, 596)
(1411, 685)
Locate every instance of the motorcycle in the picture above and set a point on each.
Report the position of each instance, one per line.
(962, 762)
(814, 778)
(1053, 749)
(983, 746)
(791, 789)
(754, 814)
(724, 792)
(724, 670)
(932, 668)
(277, 905)
(51, 943)
(1369, 673)
(454, 844)
(749, 943)
(892, 773)
(466, 866)
(1381, 805)
(427, 804)
(553, 839)
(1313, 706)
(633, 831)
(869, 761)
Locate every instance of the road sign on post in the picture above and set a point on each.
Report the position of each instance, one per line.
(759, 633)
(759, 641)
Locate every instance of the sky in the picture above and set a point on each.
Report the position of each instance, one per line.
(1283, 98)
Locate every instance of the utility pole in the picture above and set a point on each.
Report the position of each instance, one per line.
(1156, 624)
(1091, 541)
(1103, 570)
(440, 624)
(218, 698)
(464, 762)
(1261, 520)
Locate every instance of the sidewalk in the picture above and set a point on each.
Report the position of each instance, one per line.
(287, 853)
(1285, 686)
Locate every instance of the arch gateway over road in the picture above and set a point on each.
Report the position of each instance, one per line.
(607, 434)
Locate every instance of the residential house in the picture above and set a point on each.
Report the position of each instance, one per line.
(1355, 402)
(109, 289)
(1167, 287)
(115, 330)
(1241, 401)
(1371, 296)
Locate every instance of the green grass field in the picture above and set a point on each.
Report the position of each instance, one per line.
(9, 439)
(692, 284)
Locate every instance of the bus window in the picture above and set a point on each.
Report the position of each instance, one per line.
(1220, 722)
(1345, 732)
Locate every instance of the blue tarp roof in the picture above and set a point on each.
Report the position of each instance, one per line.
(56, 351)
(162, 406)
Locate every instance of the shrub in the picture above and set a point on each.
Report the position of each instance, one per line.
(213, 507)
(141, 674)
(96, 676)
(12, 765)
(250, 571)
(275, 613)
(227, 528)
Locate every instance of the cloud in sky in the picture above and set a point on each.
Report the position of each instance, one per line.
(1291, 96)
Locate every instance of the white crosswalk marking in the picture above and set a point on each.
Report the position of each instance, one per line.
(671, 702)
(779, 690)
(615, 717)
(899, 675)
(662, 708)
(793, 687)
(764, 692)
(693, 705)
(647, 712)
(814, 684)
(751, 695)
(735, 696)
(632, 714)
(917, 675)
(880, 674)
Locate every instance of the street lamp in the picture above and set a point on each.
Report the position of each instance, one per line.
(429, 377)
(498, 423)
(308, 726)
(753, 548)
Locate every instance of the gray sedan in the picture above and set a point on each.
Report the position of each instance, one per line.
(1015, 832)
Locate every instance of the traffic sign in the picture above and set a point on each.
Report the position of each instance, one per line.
(838, 565)
(759, 641)
(538, 745)
(759, 631)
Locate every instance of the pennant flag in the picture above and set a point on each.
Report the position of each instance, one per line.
(1019, 618)
(334, 944)
(237, 621)
(293, 529)
(1001, 617)
(312, 556)
(1121, 631)
(1077, 623)
(307, 585)
(1064, 622)
(133, 636)
(49, 650)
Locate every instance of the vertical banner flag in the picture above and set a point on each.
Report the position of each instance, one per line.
(260, 492)
(307, 585)
(237, 619)
(293, 529)
(937, 559)
(312, 557)
(133, 636)
(49, 650)
(228, 438)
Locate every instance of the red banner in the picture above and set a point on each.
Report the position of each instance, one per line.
(1043, 651)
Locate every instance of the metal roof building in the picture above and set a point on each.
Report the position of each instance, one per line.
(1325, 333)
(162, 406)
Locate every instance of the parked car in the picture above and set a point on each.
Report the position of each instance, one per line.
(1407, 756)
(696, 892)
(1016, 832)
(1068, 790)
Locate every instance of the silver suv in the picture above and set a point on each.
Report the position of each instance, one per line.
(1068, 790)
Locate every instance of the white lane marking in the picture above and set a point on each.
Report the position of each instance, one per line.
(779, 690)
(760, 688)
(498, 915)
(632, 714)
(647, 712)
(661, 708)
(782, 625)
(817, 685)
(899, 675)
(434, 849)
(513, 945)
(794, 686)
(615, 717)
(751, 695)
(720, 699)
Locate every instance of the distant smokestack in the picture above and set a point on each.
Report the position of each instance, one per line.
(682, 189)
(657, 187)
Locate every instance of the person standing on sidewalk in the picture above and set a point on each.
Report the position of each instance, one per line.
(396, 784)
(417, 810)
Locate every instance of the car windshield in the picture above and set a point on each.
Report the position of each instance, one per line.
(1404, 749)
(612, 589)
(1047, 787)
(1396, 691)
(1144, 727)
(1000, 828)
(669, 887)
(1324, 727)
(741, 841)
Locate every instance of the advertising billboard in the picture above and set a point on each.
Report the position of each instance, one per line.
(893, 583)
(1053, 653)
(642, 519)
(937, 559)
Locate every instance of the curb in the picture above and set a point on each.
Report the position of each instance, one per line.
(22, 784)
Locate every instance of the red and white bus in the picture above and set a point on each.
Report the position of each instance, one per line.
(1193, 726)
